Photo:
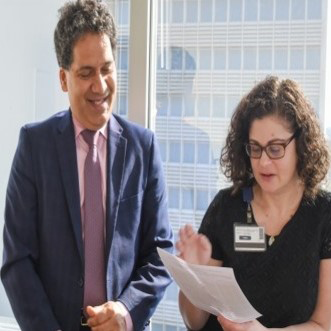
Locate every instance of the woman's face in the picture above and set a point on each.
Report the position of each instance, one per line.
(273, 175)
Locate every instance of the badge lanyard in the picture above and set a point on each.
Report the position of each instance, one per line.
(249, 237)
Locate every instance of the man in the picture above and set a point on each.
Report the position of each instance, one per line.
(83, 218)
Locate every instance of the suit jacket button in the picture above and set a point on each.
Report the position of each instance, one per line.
(81, 282)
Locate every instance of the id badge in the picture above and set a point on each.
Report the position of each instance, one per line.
(249, 238)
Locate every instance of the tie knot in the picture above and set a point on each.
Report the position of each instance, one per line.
(89, 136)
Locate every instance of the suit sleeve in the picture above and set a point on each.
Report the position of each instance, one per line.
(150, 279)
(19, 274)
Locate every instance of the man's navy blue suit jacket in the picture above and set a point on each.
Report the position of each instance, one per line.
(43, 262)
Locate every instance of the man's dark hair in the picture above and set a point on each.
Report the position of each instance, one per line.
(78, 18)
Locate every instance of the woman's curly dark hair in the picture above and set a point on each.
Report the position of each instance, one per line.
(284, 99)
(76, 19)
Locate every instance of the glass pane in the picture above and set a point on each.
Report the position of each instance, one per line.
(221, 11)
(192, 11)
(218, 105)
(296, 59)
(157, 326)
(173, 197)
(202, 199)
(203, 153)
(163, 149)
(280, 59)
(219, 58)
(177, 11)
(313, 55)
(282, 10)
(204, 59)
(314, 9)
(176, 105)
(249, 58)
(265, 59)
(251, 10)
(188, 152)
(234, 59)
(206, 14)
(298, 9)
(235, 10)
(203, 106)
(188, 198)
(121, 11)
(174, 151)
(266, 10)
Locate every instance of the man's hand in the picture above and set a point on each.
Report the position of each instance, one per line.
(108, 317)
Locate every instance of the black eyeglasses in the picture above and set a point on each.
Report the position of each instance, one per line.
(274, 150)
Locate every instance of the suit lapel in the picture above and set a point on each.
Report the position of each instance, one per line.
(115, 170)
(66, 148)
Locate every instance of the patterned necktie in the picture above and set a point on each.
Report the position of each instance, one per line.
(94, 247)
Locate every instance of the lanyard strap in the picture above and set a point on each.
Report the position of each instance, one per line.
(248, 197)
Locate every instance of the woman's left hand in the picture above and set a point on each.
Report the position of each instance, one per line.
(228, 325)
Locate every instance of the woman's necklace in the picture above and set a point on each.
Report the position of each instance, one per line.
(271, 240)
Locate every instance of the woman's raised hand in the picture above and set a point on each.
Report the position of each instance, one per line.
(193, 247)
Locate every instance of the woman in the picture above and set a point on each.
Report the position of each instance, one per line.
(276, 157)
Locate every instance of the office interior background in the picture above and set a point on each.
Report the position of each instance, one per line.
(183, 65)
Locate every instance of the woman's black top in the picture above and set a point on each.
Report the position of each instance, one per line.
(282, 282)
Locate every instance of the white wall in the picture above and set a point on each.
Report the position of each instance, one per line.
(29, 88)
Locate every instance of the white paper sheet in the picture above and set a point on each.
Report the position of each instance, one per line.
(213, 289)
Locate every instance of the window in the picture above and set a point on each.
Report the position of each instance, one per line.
(298, 10)
(188, 152)
(218, 106)
(235, 10)
(280, 58)
(177, 11)
(122, 63)
(202, 199)
(189, 105)
(266, 10)
(219, 58)
(251, 10)
(192, 11)
(187, 198)
(221, 11)
(296, 59)
(204, 59)
(163, 149)
(206, 12)
(249, 59)
(176, 58)
(123, 13)
(190, 62)
(232, 104)
(173, 197)
(203, 106)
(282, 10)
(162, 104)
(122, 104)
(203, 153)
(174, 151)
(234, 59)
(314, 9)
(265, 59)
(313, 58)
(176, 105)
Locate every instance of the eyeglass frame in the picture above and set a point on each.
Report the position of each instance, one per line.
(264, 148)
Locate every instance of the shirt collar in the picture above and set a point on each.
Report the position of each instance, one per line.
(78, 127)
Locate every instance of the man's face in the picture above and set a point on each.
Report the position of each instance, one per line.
(91, 80)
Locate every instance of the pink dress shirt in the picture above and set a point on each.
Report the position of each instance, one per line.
(81, 151)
